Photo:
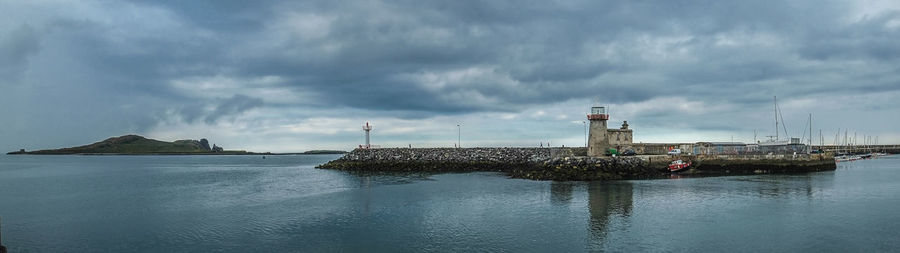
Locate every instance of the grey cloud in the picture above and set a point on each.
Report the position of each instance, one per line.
(541, 45)
(231, 106)
(210, 111)
(869, 38)
(15, 48)
(221, 15)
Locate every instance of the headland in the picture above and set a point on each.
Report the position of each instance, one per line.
(138, 145)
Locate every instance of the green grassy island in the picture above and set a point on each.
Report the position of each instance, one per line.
(134, 145)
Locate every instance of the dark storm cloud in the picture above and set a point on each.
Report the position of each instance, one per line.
(134, 64)
(550, 52)
(546, 51)
(368, 53)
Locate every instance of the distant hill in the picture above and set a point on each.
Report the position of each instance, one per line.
(134, 144)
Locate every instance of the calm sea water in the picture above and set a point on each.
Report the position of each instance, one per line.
(283, 204)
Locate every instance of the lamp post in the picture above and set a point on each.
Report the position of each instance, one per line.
(458, 134)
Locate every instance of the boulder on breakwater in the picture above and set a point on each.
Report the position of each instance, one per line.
(590, 168)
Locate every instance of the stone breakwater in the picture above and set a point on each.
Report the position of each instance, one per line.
(529, 163)
(563, 164)
(591, 168)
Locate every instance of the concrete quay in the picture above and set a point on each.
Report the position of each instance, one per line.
(760, 164)
(562, 164)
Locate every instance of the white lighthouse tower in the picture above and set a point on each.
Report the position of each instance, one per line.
(367, 128)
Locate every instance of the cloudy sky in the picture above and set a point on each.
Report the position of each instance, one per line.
(285, 76)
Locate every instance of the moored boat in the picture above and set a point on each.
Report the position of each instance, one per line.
(679, 165)
(842, 158)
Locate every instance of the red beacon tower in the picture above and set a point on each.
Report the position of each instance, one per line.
(598, 113)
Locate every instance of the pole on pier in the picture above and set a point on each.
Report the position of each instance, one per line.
(458, 134)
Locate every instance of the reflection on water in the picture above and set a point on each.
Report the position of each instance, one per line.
(608, 201)
(779, 186)
(799, 185)
(283, 204)
(561, 192)
(373, 178)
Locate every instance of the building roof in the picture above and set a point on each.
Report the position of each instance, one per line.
(713, 143)
(777, 143)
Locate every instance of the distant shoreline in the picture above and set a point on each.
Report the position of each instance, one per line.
(181, 154)
(138, 145)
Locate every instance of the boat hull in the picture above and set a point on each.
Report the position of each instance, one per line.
(679, 165)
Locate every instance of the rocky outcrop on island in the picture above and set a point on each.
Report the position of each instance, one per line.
(134, 144)
(205, 144)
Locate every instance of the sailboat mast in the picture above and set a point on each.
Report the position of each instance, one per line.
(775, 99)
(846, 144)
(810, 133)
(836, 137)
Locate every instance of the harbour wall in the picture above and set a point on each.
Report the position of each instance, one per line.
(761, 164)
(565, 164)
(890, 149)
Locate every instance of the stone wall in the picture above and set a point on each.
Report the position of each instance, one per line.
(620, 138)
(598, 138)
(601, 138)
(660, 148)
(764, 164)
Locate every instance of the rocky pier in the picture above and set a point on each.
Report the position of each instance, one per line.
(561, 164)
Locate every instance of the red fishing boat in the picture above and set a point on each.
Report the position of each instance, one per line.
(679, 165)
